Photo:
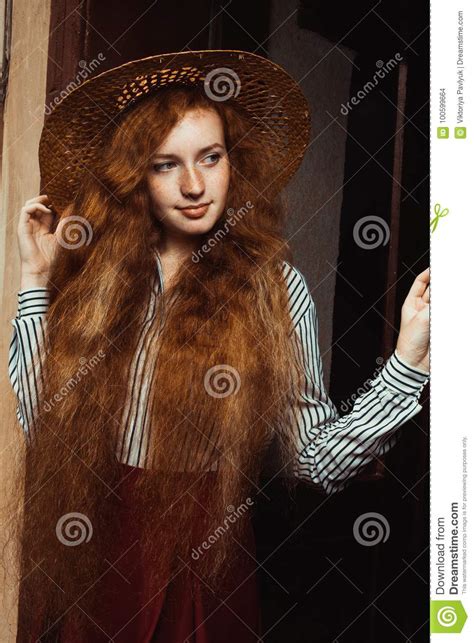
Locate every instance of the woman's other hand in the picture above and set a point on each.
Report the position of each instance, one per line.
(36, 243)
(414, 338)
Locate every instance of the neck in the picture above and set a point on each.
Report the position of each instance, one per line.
(178, 248)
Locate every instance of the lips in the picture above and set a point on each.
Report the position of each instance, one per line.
(195, 211)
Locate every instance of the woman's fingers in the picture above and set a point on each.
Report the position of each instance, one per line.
(419, 285)
(37, 202)
(41, 197)
(35, 217)
(425, 275)
(426, 296)
(34, 208)
(31, 209)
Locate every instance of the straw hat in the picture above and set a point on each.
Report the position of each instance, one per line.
(75, 130)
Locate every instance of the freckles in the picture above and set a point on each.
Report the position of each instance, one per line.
(221, 179)
(157, 190)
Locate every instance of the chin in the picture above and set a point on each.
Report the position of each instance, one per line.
(199, 226)
(204, 223)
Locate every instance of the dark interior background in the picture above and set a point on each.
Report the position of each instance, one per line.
(317, 583)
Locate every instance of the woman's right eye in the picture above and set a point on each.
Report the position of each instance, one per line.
(160, 166)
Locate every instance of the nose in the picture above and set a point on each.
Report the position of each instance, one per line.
(192, 183)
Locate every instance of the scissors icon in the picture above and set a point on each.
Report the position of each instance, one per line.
(439, 213)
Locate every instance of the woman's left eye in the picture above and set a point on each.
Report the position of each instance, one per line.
(214, 155)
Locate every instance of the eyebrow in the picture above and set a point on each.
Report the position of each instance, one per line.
(201, 151)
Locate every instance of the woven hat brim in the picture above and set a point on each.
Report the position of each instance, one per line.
(74, 132)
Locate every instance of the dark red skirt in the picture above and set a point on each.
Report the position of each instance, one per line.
(185, 610)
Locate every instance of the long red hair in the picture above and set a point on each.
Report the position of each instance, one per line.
(229, 308)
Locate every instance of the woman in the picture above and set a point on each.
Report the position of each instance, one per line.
(169, 345)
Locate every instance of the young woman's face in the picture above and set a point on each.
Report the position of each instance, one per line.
(190, 169)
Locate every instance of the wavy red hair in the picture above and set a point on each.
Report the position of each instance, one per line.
(230, 307)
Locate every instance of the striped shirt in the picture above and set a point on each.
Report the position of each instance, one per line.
(331, 449)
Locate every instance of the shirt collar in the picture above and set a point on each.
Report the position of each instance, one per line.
(159, 268)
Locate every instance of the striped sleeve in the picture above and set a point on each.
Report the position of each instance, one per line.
(26, 345)
(333, 449)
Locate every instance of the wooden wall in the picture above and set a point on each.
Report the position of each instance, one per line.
(21, 129)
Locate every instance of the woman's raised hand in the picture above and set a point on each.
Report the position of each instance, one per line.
(414, 337)
(36, 243)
